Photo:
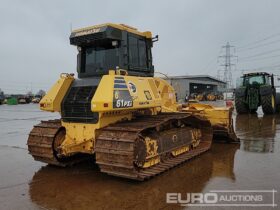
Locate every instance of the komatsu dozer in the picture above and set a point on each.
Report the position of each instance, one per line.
(117, 111)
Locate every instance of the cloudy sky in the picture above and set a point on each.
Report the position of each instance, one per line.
(35, 49)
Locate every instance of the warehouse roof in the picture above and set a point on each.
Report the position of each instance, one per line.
(197, 77)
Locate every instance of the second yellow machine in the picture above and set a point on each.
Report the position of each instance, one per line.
(118, 111)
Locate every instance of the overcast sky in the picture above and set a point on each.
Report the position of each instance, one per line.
(35, 49)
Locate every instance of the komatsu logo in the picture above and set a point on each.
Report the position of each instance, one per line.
(86, 32)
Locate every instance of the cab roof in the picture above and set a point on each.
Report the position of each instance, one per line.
(123, 27)
(256, 74)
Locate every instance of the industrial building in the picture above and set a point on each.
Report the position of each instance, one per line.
(186, 85)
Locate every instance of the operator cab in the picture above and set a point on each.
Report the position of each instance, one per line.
(110, 47)
(258, 79)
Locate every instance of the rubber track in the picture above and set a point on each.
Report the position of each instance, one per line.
(115, 147)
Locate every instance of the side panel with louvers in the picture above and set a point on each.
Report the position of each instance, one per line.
(79, 40)
(76, 106)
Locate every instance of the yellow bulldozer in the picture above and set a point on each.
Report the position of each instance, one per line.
(118, 112)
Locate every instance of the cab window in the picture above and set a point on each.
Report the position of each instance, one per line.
(137, 52)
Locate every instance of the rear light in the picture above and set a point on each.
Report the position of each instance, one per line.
(106, 105)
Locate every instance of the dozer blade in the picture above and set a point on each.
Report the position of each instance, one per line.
(220, 118)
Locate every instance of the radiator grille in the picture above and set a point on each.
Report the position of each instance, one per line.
(76, 106)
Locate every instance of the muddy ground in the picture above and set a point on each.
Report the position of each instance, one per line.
(26, 184)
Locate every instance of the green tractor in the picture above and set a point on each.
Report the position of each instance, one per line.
(257, 89)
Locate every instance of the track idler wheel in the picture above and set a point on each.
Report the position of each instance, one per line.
(58, 140)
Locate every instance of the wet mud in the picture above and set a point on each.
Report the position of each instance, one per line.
(26, 184)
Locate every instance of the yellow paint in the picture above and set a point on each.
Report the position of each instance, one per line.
(105, 94)
(196, 134)
(151, 162)
(167, 95)
(199, 97)
(122, 27)
(211, 97)
(180, 151)
(218, 116)
(195, 143)
(151, 147)
(80, 137)
(52, 100)
(152, 96)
